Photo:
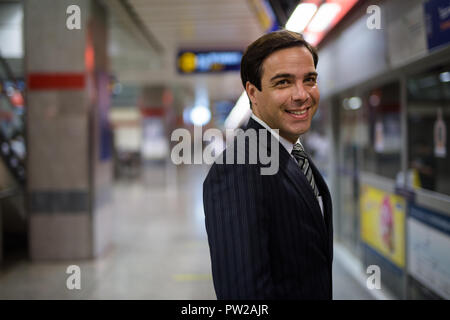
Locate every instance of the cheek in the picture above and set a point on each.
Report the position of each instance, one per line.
(270, 101)
(315, 94)
(280, 98)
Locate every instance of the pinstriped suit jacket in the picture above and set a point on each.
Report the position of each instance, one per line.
(266, 233)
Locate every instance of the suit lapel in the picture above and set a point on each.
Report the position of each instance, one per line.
(323, 188)
(290, 168)
(327, 206)
(298, 179)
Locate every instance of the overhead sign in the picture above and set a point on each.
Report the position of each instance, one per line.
(407, 36)
(437, 17)
(208, 61)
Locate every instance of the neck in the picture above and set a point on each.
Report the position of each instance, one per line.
(291, 139)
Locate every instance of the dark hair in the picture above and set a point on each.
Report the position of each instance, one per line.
(252, 60)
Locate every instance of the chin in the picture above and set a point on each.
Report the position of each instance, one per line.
(300, 131)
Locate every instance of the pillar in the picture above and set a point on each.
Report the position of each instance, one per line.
(69, 168)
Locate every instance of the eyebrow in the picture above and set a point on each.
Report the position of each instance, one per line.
(315, 74)
(289, 75)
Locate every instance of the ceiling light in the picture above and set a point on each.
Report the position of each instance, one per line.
(354, 103)
(324, 16)
(311, 38)
(200, 115)
(445, 76)
(301, 16)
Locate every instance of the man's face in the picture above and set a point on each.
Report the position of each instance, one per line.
(289, 95)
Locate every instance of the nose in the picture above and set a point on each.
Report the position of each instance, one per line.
(299, 94)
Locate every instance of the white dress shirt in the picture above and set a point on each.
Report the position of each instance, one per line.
(289, 146)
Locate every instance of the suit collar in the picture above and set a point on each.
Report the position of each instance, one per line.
(285, 143)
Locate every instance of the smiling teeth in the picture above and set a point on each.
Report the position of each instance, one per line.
(298, 112)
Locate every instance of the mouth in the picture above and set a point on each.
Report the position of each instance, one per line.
(299, 114)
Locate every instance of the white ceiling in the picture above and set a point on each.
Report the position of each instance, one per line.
(192, 24)
(213, 23)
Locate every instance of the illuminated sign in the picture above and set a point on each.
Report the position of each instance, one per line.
(328, 14)
(208, 61)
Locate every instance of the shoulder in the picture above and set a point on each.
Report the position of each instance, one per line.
(223, 171)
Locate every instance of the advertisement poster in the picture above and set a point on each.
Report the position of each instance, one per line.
(440, 136)
(428, 255)
(379, 137)
(437, 17)
(382, 223)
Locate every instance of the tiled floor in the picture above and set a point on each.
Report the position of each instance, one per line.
(159, 251)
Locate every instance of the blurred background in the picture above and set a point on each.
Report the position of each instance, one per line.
(91, 92)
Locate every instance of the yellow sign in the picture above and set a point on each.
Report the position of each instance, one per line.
(383, 223)
(187, 62)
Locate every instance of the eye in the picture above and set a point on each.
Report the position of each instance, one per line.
(311, 80)
(282, 82)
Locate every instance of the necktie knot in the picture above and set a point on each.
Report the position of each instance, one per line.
(298, 151)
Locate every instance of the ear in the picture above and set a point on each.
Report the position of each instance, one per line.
(252, 92)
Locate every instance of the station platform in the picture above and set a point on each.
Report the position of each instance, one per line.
(159, 251)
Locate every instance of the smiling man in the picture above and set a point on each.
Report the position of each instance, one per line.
(270, 236)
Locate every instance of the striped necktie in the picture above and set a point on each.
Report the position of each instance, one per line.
(302, 159)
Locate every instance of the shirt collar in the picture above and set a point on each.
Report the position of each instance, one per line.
(285, 143)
